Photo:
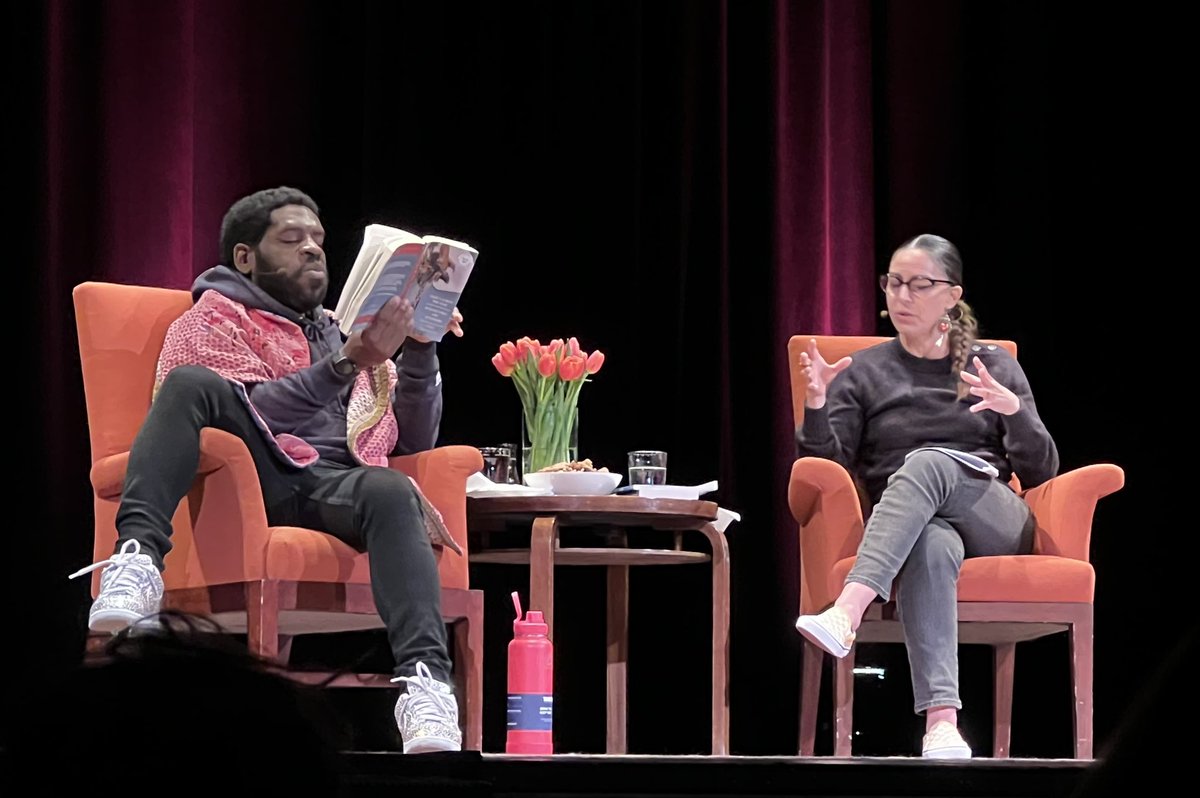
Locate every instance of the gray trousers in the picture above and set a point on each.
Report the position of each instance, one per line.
(934, 513)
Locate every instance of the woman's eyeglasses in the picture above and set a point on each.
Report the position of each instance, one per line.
(892, 283)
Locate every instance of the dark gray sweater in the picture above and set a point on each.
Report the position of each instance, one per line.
(889, 402)
(311, 403)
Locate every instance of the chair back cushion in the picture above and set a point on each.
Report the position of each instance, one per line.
(121, 330)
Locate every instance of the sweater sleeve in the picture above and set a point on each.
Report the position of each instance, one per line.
(834, 431)
(1030, 449)
(418, 399)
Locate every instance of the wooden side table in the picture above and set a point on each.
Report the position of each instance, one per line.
(546, 515)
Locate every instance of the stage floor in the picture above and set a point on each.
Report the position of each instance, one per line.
(472, 774)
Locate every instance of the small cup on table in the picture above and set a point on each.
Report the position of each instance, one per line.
(647, 467)
(514, 468)
(497, 463)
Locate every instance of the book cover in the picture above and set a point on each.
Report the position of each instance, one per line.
(429, 271)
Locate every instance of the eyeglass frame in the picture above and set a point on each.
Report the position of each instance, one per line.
(886, 278)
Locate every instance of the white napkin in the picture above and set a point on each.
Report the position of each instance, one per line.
(692, 492)
(478, 485)
(725, 518)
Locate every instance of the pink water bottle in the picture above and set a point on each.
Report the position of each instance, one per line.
(530, 685)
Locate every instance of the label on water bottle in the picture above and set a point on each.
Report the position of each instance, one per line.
(530, 712)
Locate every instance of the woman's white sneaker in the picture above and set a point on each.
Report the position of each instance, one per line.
(943, 741)
(829, 631)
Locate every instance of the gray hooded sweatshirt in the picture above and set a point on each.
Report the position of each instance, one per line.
(311, 403)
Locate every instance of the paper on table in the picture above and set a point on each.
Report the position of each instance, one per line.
(692, 492)
(480, 486)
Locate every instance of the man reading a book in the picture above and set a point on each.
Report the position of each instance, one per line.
(257, 356)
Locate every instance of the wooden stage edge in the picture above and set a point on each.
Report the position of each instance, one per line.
(468, 773)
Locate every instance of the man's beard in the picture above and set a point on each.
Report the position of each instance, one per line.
(291, 291)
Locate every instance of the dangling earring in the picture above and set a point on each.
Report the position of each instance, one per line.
(943, 326)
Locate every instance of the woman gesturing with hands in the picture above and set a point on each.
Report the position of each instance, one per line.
(819, 374)
(909, 418)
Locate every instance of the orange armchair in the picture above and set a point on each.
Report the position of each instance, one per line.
(1001, 600)
(270, 582)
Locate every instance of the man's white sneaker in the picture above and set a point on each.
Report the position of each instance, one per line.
(130, 589)
(427, 714)
(830, 630)
(943, 741)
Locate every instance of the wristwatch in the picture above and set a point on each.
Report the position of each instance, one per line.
(343, 365)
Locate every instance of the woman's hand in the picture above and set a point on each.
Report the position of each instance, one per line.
(994, 395)
(819, 374)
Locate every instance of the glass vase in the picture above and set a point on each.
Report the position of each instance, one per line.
(550, 441)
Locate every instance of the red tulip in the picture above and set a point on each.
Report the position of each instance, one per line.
(547, 365)
(571, 368)
(555, 345)
(509, 354)
(595, 361)
(573, 345)
(525, 344)
(505, 369)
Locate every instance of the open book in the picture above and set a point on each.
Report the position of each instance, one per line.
(430, 271)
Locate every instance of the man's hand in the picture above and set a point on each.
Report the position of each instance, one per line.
(455, 327)
(382, 338)
(995, 396)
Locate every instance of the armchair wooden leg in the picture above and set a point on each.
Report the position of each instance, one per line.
(262, 618)
(1004, 661)
(811, 660)
(843, 699)
(468, 651)
(1081, 680)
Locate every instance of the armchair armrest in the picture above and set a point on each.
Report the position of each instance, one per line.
(442, 474)
(225, 500)
(1064, 506)
(218, 449)
(824, 501)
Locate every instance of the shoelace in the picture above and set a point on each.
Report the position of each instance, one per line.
(427, 702)
(116, 579)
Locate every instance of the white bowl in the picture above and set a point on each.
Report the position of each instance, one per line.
(575, 483)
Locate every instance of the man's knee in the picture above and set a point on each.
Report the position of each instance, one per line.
(387, 490)
(190, 382)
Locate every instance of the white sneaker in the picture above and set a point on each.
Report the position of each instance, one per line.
(427, 714)
(130, 589)
(943, 741)
(830, 630)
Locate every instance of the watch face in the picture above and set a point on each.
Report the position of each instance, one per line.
(344, 366)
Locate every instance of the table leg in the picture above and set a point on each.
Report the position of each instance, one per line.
(720, 639)
(618, 656)
(542, 543)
